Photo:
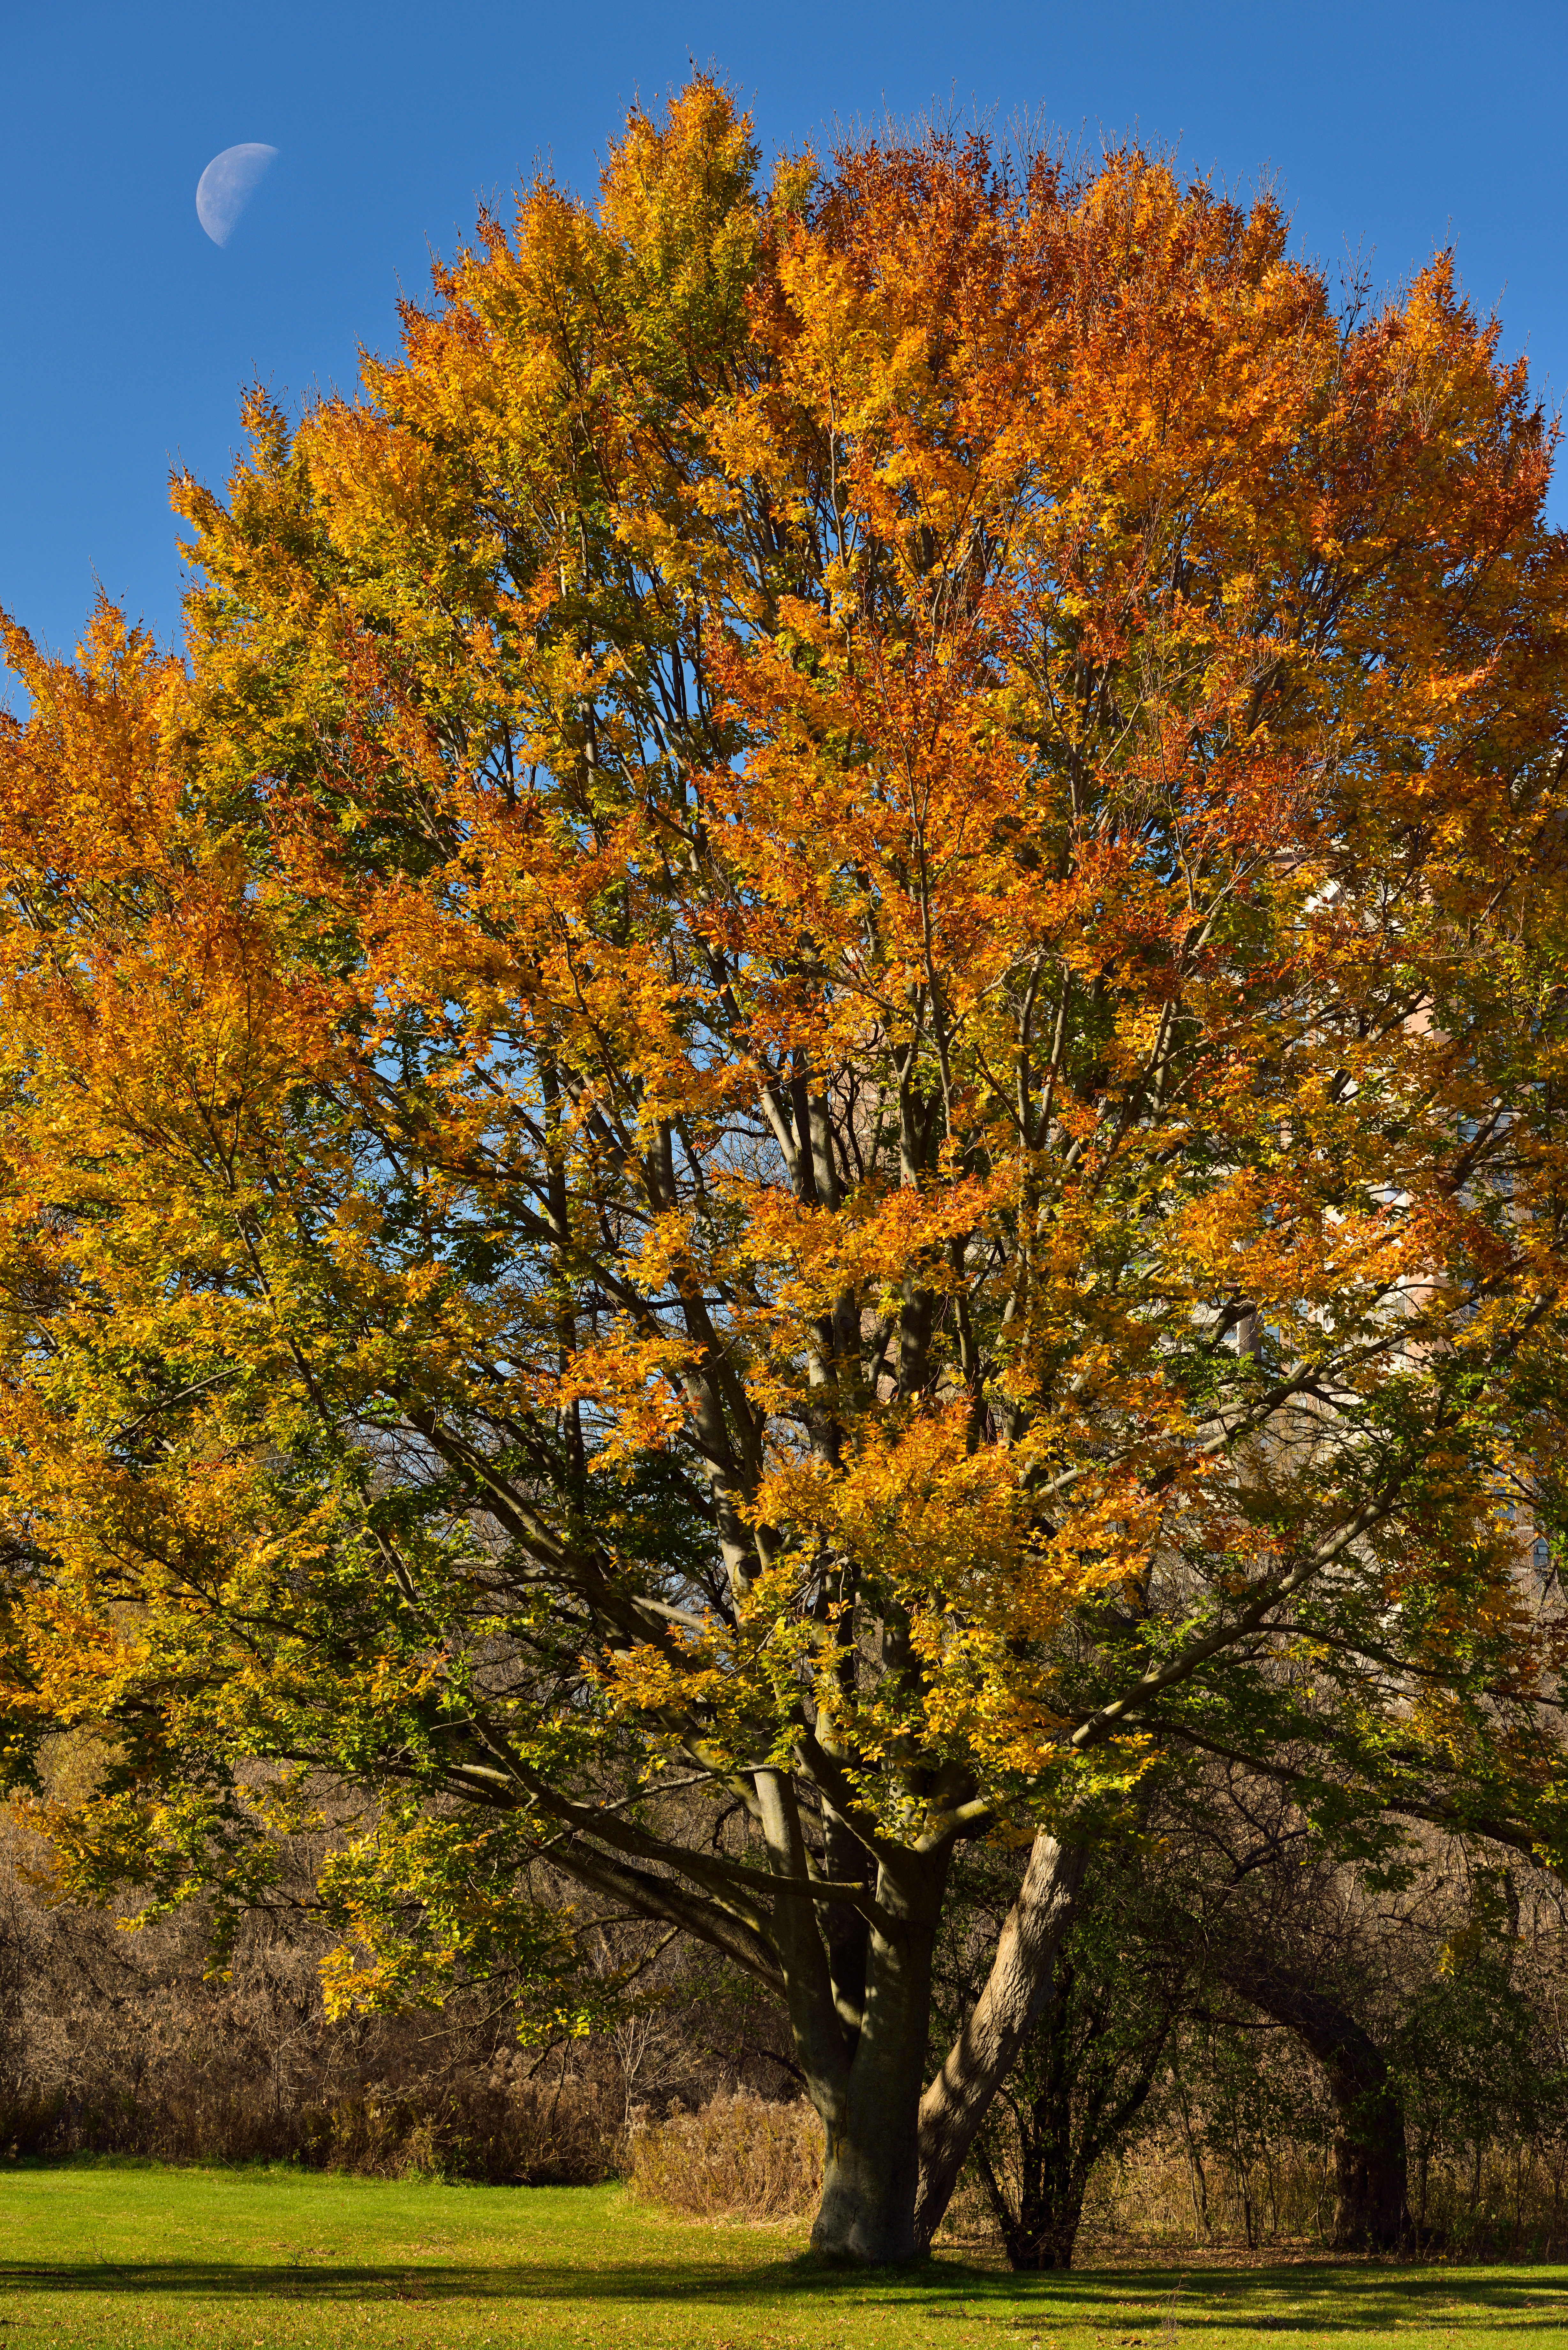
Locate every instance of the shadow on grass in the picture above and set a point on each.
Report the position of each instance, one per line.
(1300, 2300)
(1287, 2302)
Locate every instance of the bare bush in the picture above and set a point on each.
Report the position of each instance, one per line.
(739, 2158)
(119, 2043)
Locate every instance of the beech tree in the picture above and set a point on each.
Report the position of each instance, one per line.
(803, 1095)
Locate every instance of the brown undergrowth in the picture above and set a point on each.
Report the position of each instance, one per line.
(740, 2157)
(117, 2043)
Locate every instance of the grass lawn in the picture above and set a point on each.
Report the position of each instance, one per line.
(143, 2257)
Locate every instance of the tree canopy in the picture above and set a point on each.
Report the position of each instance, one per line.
(804, 1093)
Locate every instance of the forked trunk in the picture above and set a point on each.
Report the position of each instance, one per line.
(1044, 2238)
(1040, 2221)
(893, 2155)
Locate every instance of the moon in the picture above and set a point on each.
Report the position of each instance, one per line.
(227, 185)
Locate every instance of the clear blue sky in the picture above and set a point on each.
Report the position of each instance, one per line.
(1391, 128)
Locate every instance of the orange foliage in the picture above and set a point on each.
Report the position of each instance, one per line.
(823, 1040)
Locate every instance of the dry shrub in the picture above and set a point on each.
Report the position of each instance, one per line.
(561, 2136)
(970, 2219)
(1157, 2196)
(473, 2126)
(117, 2044)
(738, 2158)
(1514, 2201)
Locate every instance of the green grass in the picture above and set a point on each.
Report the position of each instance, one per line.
(144, 2257)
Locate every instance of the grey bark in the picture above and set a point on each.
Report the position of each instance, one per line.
(871, 2111)
(1017, 1989)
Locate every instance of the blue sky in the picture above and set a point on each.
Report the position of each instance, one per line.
(1391, 129)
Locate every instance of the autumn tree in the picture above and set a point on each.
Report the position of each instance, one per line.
(804, 1095)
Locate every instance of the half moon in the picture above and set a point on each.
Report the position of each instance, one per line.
(226, 186)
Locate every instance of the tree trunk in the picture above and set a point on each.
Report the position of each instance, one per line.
(1197, 2177)
(871, 2115)
(1041, 2231)
(1371, 2211)
(892, 2157)
(1046, 2240)
(1016, 1991)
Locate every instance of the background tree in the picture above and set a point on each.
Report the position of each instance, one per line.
(811, 1079)
(1091, 2079)
(1477, 2047)
(1272, 1918)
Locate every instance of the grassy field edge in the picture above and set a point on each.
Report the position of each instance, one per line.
(143, 2255)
